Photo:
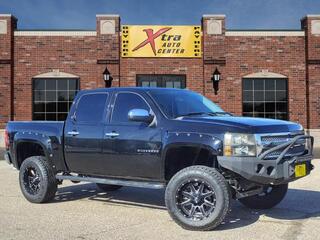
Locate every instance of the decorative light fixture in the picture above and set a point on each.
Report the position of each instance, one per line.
(215, 80)
(107, 78)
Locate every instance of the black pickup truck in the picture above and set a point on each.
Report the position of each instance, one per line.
(162, 138)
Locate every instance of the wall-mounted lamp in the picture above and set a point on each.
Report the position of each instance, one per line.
(107, 78)
(215, 80)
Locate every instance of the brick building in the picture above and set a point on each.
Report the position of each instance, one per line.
(265, 73)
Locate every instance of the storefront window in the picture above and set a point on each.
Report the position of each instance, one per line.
(159, 80)
(266, 98)
(52, 98)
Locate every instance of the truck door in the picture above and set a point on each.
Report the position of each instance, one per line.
(84, 133)
(136, 146)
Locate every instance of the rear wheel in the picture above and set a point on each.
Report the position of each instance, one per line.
(198, 198)
(37, 180)
(108, 187)
(270, 197)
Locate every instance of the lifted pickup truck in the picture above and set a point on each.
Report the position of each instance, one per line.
(162, 138)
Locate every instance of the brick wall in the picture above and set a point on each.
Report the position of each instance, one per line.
(37, 55)
(245, 55)
(234, 56)
(77, 55)
(214, 56)
(8, 24)
(192, 68)
(313, 71)
(108, 48)
(283, 55)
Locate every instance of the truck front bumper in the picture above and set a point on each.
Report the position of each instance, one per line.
(266, 171)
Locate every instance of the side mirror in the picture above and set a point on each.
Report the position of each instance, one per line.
(140, 115)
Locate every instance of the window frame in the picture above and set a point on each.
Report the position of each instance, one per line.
(264, 90)
(104, 111)
(33, 90)
(114, 104)
(162, 81)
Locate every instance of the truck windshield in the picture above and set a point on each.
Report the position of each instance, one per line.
(177, 103)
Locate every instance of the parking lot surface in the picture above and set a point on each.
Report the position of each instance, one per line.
(80, 211)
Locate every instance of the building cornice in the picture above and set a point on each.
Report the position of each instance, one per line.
(55, 33)
(108, 15)
(266, 33)
(222, 16)
(8, 15)
(311, 16)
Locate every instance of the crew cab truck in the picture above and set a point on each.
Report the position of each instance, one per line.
(162, 138)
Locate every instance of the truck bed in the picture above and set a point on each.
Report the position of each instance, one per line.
(51, 127)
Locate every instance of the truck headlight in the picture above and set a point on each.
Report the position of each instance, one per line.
(239, 144)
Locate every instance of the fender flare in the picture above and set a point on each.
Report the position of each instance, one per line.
(37, 138)
(201, 140)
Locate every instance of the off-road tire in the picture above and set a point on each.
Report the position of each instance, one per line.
(108, 187)
(47, 187)
(268, 200)
(214, 181)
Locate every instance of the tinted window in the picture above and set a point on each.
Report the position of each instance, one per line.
(124, 103)
(91, 107)
(175, 103)
(52, 98)
(265, 98)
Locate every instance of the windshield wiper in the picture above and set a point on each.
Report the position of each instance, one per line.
(203, 113)
(191, 114)
(219, 113)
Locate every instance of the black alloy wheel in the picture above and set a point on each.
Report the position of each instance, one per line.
(196, 199)
(32, 181)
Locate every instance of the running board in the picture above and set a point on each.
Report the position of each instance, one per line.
(127, 183)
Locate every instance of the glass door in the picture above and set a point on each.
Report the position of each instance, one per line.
(159, 80)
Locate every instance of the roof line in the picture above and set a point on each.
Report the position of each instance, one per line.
(108, 15)
(55, 30)
(264, 30)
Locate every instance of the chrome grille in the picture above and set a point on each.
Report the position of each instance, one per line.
(269, 141)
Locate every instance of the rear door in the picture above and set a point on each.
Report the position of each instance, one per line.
(84, 133)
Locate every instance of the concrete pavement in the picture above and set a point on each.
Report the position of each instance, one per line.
(80, 211)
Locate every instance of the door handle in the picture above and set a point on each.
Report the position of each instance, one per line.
(112, 134)
(73, 133)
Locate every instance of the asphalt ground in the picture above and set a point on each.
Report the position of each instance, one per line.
(80, 211)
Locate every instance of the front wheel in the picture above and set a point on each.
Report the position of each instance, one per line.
(270, 197)
(198, 198)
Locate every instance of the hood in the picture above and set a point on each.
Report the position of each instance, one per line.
(248, 124)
